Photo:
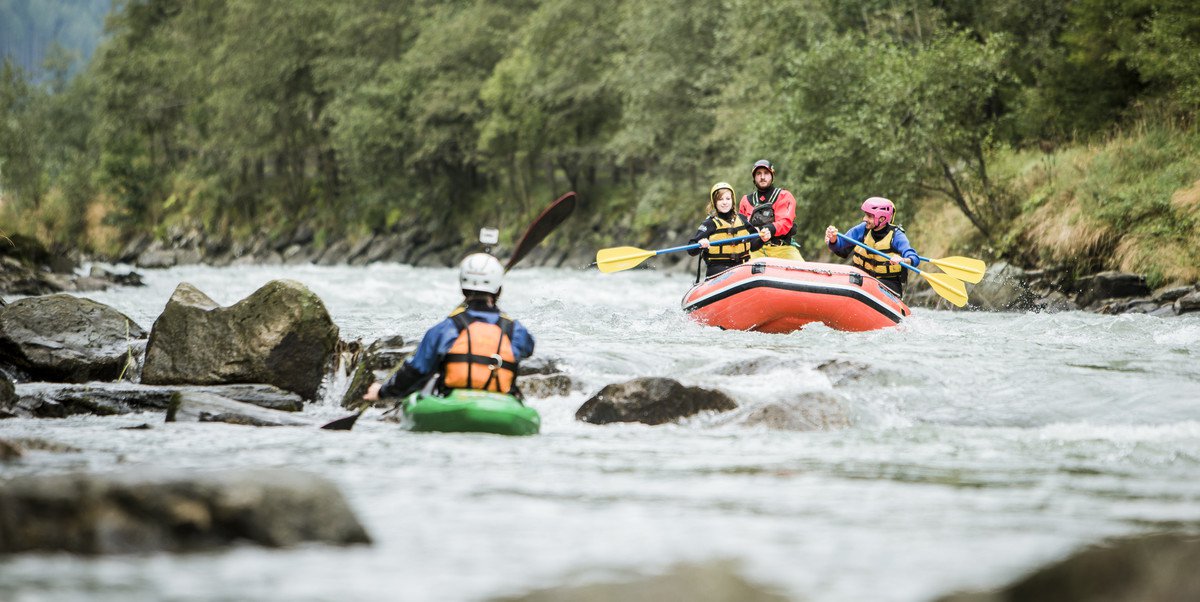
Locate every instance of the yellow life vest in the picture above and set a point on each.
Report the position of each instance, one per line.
(877, 264)
(738, 252)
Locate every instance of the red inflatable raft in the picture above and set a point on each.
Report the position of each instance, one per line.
(779, 295)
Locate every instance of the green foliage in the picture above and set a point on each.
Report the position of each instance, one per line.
(860, 117)
(370, 115)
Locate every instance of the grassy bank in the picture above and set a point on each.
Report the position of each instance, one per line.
(1130, 202)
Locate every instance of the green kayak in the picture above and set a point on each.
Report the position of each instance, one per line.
(470, 411)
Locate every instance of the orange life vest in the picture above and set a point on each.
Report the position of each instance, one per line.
(481, 357)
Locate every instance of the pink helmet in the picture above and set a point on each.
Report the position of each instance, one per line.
(880, 208)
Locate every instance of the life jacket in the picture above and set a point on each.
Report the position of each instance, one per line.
(878, 265)
(738, 252)
(481, 357)
(764, 213)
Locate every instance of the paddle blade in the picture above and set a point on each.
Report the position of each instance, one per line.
(949, 288)
(963, 268)
(542, 226)
(343, 424)
(621, 258)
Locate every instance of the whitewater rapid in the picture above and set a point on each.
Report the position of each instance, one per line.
(978, 447)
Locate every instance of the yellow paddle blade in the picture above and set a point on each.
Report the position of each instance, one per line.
(963, 268)
(621, 258)
(950, 289)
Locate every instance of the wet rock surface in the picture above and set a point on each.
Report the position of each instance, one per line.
(62, 338)
(711, 581)
(29, 268)
(1138, 569)
(281, 334)
(196, 406)
(651, 401)
(138, 513)
(50, 400)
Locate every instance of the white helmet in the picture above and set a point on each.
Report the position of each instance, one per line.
(480, 272)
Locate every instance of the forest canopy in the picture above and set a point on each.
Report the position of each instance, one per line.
(370, 115)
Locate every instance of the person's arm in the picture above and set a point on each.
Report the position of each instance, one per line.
(417, 369)
(902, 246)
(785, 214)
(522, 341)
(842, 248)
(702, 233)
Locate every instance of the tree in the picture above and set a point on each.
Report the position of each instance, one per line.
(862, 117)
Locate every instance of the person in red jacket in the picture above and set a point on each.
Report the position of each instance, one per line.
(774, 211)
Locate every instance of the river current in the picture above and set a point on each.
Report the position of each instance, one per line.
(979, 446)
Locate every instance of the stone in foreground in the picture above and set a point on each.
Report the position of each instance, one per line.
(133, 513)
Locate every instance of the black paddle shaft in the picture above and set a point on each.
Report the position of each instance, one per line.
(542, 226)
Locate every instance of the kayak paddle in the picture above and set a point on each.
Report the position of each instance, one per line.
(963, 268)
(542, 226)
(949, 288)
(615, 259)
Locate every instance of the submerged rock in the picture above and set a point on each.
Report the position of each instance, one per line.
(651, 401)
(281, 335)
(539, 386)
(136, 513)
(61, 338)
(712, 581)
(809, 412)
(1136, 569)
(9, 451)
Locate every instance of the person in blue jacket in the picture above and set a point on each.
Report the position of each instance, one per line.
(877, 230)
(476, 347)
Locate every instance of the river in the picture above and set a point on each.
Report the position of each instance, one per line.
(980, 446)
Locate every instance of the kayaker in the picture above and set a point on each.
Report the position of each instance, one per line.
(476, 347)
(723, 223)
(773, 210)
(878, 231)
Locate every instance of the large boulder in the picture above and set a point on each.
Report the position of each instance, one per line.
(135, 513)
(1154, 567)
(281, 335)
(61, 338)
(651, 400)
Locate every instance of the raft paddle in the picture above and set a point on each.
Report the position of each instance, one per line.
(616, 259)
(542, 226)
(949, 288)
(963, 268)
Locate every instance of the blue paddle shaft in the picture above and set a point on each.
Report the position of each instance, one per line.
(715, 244)
(876, 251)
